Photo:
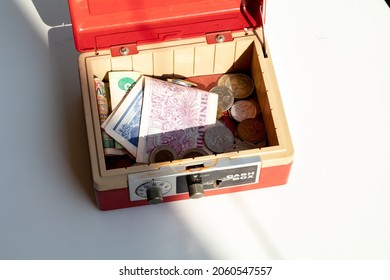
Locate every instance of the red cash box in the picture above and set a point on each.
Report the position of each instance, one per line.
(194, 40)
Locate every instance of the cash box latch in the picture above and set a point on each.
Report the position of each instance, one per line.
(122, 50)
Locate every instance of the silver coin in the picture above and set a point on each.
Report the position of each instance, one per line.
(222, 79)
(242, 110)
(241, 85)
(218, 138)
(182, 82)
(225, 97)
(194, 152)
(163, 153)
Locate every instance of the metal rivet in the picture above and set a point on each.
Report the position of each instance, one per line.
(124, 51)
(220, 38)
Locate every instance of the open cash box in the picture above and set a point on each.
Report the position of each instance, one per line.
(194, 40)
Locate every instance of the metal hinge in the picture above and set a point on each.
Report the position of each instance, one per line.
(219, 37)
(123, 50)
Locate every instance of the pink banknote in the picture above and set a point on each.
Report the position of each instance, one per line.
(174, 115)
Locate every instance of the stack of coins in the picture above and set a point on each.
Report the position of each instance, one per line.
(244, 114)
(239, 125)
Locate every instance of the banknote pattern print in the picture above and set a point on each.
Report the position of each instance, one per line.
(124, 125)
(174, 115)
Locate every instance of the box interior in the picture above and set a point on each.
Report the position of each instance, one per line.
(189, 60)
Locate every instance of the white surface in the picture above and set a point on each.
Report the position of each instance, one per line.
(332, 62)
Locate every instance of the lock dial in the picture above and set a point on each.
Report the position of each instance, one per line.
(142, 189)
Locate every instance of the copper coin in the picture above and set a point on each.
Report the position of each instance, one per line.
(241, 85)
(163, 153)
(242, 110)
(218, 138)
(251, 130)
(225, 97)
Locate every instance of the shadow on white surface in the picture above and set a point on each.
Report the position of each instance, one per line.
(64, 62)
(56, 217)
(48, 211)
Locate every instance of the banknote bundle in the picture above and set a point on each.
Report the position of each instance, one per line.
(109, 93)
(156, 113)
(102, 98)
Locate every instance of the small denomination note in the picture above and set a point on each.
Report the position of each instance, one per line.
(120, 82)
(123, 124)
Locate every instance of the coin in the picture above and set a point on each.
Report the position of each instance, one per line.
(222, 79)
(195, 152)
(163, 153)
(241, 85)
(182, 82)
(243, 109)
(251, 130)
(218, 138)
(225, 97)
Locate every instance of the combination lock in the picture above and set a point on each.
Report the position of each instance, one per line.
(194, 180)
(195, 186)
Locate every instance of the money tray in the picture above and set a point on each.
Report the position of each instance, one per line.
(179, 38)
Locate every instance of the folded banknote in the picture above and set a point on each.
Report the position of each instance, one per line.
(123, 124)
(174, 115)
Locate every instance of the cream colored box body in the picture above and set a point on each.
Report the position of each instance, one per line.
(189, 58)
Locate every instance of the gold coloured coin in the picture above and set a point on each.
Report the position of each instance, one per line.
(241, 85)
(225, 97)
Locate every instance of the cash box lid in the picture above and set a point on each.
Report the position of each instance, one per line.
(101, 24)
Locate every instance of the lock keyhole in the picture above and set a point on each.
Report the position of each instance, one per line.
(217, 183)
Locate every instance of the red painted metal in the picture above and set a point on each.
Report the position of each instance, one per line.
(119, 198)
(101, 24)
(124, 50)
(219, 37)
